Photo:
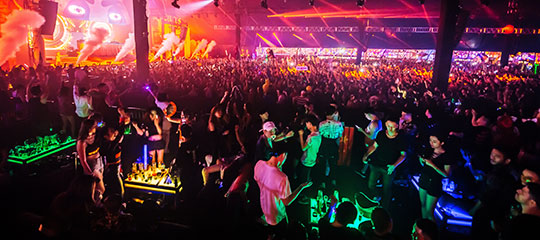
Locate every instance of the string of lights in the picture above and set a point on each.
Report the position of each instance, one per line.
(371, 29)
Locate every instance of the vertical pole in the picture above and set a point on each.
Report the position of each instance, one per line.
(362, 38)
(509, 48)
(445, 44)
(141, 39)
(238, 32)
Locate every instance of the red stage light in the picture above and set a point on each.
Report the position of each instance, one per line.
(508, 29)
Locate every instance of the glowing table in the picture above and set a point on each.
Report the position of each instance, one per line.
(41, 148)
(165, 184)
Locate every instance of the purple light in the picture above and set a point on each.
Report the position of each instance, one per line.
(145, 156)
(147, 88)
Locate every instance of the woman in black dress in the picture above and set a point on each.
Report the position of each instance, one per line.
(436, 166)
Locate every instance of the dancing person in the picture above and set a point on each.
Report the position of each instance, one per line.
(112, 153)
(275, 192)
(130, 143)
(265, 144)
(88, 145)
(310, 147)
(83, 103)
(330, 130)
(221, 131)
(386, 153)
(162, 102)
(66, 110)
(99, 101)
(37, 95)
(436, 166)
(370, 133)
(156, 144)
(373, 128)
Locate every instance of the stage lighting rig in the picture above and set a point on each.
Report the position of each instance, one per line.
(485, 2)
(264, 4)
(360, 3)
(175, 4)
(216, 3)
(311, 2)
(422, 1)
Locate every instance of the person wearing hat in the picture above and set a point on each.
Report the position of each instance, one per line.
(265, 144)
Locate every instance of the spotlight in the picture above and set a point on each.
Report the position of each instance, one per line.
(264, 4)
(422, 1)
(360, 3)
(175, 4)
(485, 2)
(216, 3)
(311, 2)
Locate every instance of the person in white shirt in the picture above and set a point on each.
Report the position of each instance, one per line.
(83, 103)
(310, 147)
(275, 192)
(331, 131)
(162, 102)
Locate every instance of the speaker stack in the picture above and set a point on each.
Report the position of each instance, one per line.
(48, 10)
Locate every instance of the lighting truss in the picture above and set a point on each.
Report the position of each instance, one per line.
(287, 28)
(371, 29)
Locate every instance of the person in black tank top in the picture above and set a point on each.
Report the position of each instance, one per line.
(88, 147)
(112, 153)
(156, 144)
(436, 166)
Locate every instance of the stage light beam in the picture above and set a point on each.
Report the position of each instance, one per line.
(188, 9)
(335, 38)
(289, 23)
(266, 41)
(315, 39)
(278, 39)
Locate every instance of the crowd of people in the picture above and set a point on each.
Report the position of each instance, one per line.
(248, 138)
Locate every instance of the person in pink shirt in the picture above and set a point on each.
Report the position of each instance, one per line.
(275, 192)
